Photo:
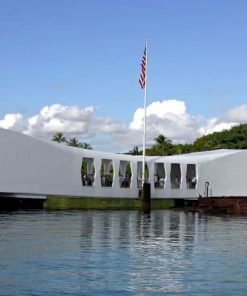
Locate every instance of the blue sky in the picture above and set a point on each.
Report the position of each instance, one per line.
(59, 58)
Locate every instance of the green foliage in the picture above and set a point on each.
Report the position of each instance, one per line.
(59, 137)
(135, 151)
(86, 146)
(235, 138)
(163, 146)
(74, 142)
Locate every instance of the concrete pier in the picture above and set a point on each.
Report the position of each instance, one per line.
(222, 205)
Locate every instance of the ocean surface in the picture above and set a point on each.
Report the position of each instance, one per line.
(122, 253)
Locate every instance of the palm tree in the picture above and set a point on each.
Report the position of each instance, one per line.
(163, 144)
(161, 140)
(86, 146)
(134, 151)
(73, 142)
(59, 137)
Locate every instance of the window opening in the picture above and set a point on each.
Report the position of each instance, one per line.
(175, 176)
(107, 173)
(125, 174)
(159, 175)
(139, 174)
(191, 179)
(87, 172)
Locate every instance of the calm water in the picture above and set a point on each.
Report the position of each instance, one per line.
(122, 253)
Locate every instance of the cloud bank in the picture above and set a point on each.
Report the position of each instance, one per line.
(167, 117)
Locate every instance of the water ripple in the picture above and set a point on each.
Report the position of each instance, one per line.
(122, 253)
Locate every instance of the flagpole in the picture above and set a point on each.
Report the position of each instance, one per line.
(144, 119)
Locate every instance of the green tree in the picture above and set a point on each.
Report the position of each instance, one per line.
(86, 146)
(73, 142)
(134, 151)
(161, 140)
(163, 145)
(59, 137)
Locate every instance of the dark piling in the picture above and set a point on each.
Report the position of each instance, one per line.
(146, 198)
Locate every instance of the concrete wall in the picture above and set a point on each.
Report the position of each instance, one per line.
(32, 166)
(227, 176)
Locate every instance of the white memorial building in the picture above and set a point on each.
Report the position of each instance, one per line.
(35, 168)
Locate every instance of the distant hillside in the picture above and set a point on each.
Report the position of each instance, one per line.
(235, 138)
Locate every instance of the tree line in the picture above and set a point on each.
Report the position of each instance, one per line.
(74, 142)
(234, 138)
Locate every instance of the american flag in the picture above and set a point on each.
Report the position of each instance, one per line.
(142, 79)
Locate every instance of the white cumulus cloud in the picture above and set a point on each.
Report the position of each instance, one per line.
(231, 118)
(238, 114)
(167, 117)
(215, 125)
(13, 121)
(59, 118)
